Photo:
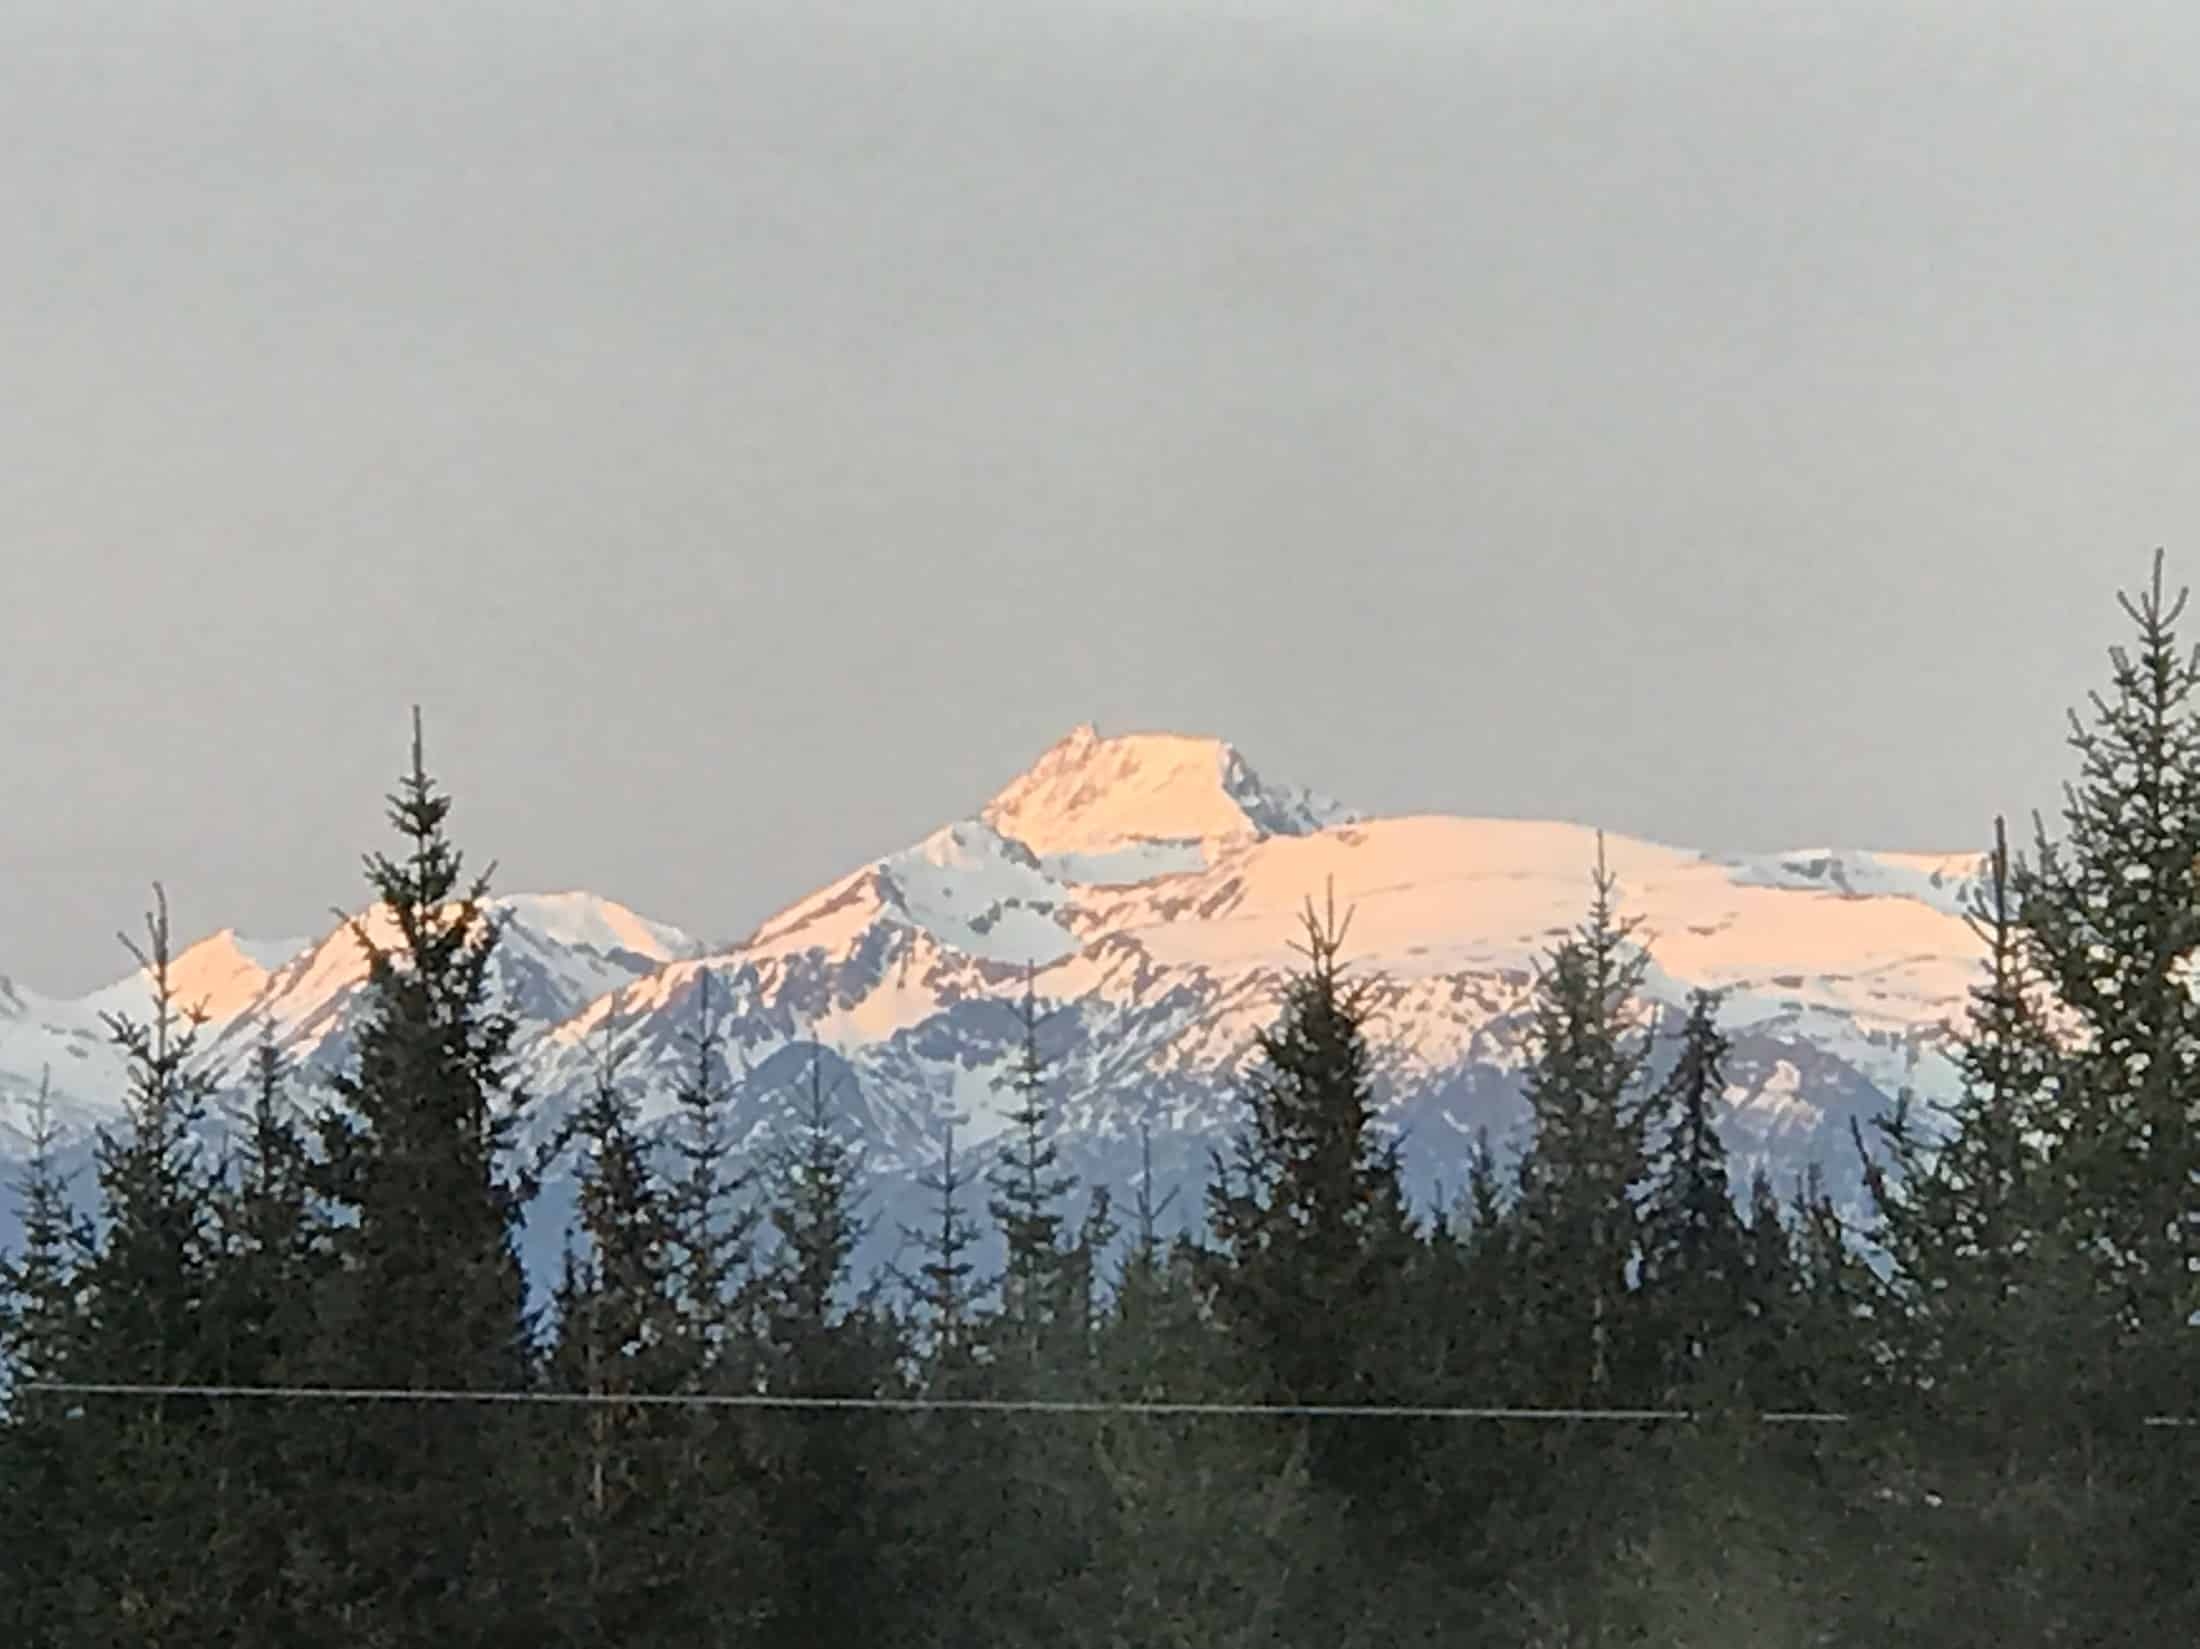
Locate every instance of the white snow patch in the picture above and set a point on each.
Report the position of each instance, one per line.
(1780, 1099)
(979, 894)
(1939, 881)
(600, 924)
(1128, 866)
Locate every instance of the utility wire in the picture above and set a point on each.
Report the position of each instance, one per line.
(982, 1405)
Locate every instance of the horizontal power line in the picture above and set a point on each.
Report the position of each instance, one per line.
(977, 1405)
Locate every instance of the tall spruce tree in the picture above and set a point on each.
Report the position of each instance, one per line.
(1471, 1291)
(39, 1301)
(146, 1281)
(1016, 1530)
(621, 1338)
(816, 1223)
(1202, 1533)
(1474, 1289)
(272, 1243)
(828, 1500)
(1966, 1215)
(1693, 1267)
(942, 1290)
(1587, 1157)
(2112, 914)
(1838, 1303)
(965, 1532)
(1144, 1256)
(1314, 1244)
(711, 1510)
(271, 1261)
(715, 1219)
(1308, 1213)
(145, 1290)
(416, 1162)
(622, 1328)
(1028, 1192)
(2045, 1237)
(1082, 1292)
(43, 1462)
(1774, 1285)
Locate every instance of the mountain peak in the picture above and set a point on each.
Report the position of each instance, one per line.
(590, 921)
(219, 974)
(1096, 795)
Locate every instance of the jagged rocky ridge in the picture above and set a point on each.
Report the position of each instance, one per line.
(1153, 884)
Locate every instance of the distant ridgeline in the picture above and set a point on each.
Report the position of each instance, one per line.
(1146, 889)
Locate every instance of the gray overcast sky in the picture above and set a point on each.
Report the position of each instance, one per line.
(756, 432)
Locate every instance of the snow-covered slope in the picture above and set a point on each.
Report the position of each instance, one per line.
(219, 976)
(1158, 911)
(559, 952)
(1153, 886)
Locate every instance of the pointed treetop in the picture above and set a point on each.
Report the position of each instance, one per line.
(2148, 612)
(1990, 907)
(1325, 935)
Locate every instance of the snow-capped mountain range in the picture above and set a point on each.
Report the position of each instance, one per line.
(1153, 883)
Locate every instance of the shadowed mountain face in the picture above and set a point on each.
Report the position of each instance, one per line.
(1152, 885)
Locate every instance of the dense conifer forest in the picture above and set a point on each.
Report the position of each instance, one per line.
(1951, 1422)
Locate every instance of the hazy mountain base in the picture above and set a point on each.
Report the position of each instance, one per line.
(1436, 1151)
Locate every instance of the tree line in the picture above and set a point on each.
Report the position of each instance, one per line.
(1938, 1423)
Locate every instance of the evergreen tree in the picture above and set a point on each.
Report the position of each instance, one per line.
(1478, 1289)
(711, 1511)
(1016, 1530)
(626, 1221)
(1587, 1157)
(1693, 1260)
(271, 1264)
(148, 1518)
(1966, 1216)
(1142, 1260)
(1204, 1531)
(619, 1336)
(817, 1224)
(720, 1298)
(39, 1305)
(1475, 1287)
(1773, 1283)
(716, 1222)
(1083, 1297)
(1308, 1214)
(2045, 1237)
(959, 1538)
(1837, 1336)
(42, 1459)
(272, 1245)
(830, 1505)
(146, 1280)
(1314, 1257)
(1026, 1207)
(2112, 915)
(942, 1291)
(427, 1294)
